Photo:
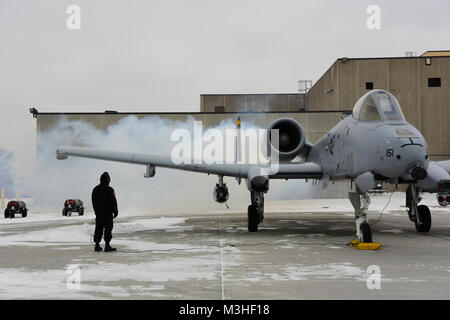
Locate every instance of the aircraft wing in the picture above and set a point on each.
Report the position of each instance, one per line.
(304, 170)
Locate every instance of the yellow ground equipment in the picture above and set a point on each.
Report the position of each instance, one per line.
(365, 245)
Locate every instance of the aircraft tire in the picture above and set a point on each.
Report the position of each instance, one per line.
(424, 216)
(253, 218)
(366, 232)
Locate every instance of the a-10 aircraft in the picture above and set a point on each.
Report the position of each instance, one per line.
(374, 144)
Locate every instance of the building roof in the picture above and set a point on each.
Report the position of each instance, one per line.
(436, 53)
(248, 94)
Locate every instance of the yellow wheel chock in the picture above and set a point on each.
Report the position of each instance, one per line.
(365, 245)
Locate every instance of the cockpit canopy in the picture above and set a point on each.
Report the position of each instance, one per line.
(378, 105)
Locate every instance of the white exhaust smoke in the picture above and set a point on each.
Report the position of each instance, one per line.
(169, 191)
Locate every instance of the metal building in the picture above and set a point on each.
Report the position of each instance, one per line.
(251, 102)
(264, 102)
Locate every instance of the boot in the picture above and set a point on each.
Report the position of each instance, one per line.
(108, 248)
(97, 247)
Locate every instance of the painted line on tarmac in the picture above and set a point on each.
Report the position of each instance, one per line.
(221, 261)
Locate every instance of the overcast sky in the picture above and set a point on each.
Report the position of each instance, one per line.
(161, 55)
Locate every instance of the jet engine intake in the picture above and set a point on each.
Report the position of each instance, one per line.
(291, 139)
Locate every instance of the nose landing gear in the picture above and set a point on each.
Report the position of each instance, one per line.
(366, 232)
(424, 216)
(255, 211)
(420, 215)
(361, 203)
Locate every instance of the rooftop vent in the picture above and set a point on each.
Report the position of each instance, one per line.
(410, 54)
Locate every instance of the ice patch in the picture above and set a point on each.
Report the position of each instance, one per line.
(336, 228)
(392, 231)
(24, 283)
(314, 235)
(331, 271)
(161, 223)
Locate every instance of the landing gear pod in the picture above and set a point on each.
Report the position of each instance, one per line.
(220, 193)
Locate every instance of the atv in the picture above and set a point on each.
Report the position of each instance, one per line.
(16, 207)
(73, 205)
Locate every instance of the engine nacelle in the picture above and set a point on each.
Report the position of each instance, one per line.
(443, 199)
(220, 193)
(291, 139)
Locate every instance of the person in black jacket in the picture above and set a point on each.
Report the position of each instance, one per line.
(105, 208)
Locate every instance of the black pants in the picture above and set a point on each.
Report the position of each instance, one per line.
(100, 224)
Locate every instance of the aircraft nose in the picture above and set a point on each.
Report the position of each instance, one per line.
(410, 158)
(416, 161)
(419, 173)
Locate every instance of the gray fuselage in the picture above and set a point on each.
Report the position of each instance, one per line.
(388, 149)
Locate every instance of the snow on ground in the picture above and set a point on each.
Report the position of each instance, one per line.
(161, 223)
(147, 273)
(81, 233)
(330, 271)
(28, 282)
(25, 283)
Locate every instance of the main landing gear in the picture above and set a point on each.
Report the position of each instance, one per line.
(255, 211)
(361, 203)
(420, 215)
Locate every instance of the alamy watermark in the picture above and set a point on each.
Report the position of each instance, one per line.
(373, 277)
(73, 21)
(373, 21)
(73, 281)
(228, 146)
